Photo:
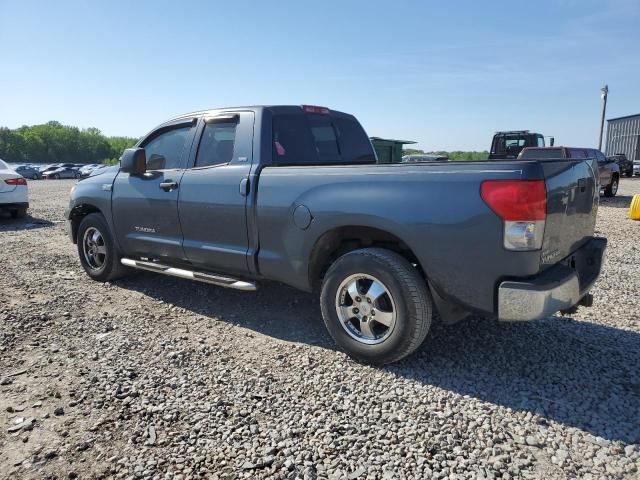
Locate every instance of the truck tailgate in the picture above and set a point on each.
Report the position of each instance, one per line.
(572, 205)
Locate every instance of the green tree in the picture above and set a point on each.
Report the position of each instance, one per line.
(53, 142)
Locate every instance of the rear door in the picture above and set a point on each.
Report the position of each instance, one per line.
(145, 207)
(213, 194)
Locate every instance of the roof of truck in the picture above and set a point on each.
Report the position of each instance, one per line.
(248, 107)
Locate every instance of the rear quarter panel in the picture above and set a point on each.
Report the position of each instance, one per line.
(435, 209)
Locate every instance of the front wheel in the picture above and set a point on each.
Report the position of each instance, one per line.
(612, 188)
(376, 305)
(97, 250)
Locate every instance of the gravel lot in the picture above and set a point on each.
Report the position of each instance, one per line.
(154, 377)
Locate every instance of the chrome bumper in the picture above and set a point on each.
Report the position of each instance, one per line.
(559, 288)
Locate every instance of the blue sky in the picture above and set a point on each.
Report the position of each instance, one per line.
(446, 74)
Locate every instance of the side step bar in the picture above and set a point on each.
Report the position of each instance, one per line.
(188, 274)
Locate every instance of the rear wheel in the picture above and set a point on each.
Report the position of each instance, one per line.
(97, 251)
(375, 305)
(612, 188)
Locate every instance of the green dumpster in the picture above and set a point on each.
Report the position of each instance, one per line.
(389, 150)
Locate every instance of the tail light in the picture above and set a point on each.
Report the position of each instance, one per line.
(16, 181)
(522, 206)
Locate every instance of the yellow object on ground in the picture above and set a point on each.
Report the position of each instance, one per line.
(634, 209)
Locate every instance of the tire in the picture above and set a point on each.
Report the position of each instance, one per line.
(612, 188)
(19, 213)
(405, 304)
(57, 176)
(100, 260)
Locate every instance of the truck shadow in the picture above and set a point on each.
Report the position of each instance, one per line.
(8, 224)
(541, 367)
(619, 201)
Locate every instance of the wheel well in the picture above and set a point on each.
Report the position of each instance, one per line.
(77, 214)
(339, 241)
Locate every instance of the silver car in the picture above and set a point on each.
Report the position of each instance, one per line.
(62, 172)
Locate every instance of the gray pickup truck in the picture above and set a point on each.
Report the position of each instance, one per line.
(294, 194)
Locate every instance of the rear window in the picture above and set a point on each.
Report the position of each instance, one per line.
(540, 153)
(577, 153)
(316, 139)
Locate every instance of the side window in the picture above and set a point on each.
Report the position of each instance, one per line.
(216, 144)
(165, 150)
(540, 139)
(600, 156)
(293, 143)
(319, 139)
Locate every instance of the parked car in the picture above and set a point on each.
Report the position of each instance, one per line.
(14, 192)
(636, 167)
(413, 158)
(61, 172)
(293, 194)
(48, 168)
(608, 170)
(28, 171)
(626, 165)
(86, 170)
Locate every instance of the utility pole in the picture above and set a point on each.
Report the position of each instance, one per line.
(605, 92)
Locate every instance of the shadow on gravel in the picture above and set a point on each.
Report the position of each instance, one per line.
(619, 201)
(573, 372)
(8, 224)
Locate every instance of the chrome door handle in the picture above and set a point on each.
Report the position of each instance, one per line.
(169, 185)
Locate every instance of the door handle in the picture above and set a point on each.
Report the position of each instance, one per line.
(168, 185)
(244, 187)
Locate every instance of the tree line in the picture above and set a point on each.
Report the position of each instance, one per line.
(53, 142)
(455, 155)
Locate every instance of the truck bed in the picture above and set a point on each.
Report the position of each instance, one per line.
(435, 208)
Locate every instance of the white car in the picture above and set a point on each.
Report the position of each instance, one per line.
(14, 193)
(636, 167)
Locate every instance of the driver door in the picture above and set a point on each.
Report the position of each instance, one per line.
(145, 207)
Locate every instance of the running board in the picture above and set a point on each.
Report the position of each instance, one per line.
(190, 275)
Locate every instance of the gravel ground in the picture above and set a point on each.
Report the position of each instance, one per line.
(154, 377)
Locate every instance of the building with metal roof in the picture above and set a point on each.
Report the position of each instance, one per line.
(623, 136)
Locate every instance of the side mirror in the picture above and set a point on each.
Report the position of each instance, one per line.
(133, 161)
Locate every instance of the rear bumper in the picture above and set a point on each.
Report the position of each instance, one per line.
(558, 288)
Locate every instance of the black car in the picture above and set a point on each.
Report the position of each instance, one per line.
(626, 165)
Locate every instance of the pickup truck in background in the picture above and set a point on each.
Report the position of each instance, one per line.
(506, 145)
(608, 169)
(293, 194)
(625, 165)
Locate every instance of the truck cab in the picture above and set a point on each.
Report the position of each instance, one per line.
(509, 144)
